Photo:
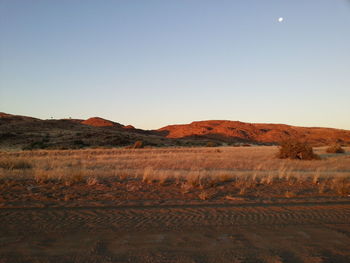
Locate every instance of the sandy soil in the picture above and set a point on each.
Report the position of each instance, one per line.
(91, 206)
(300, 232)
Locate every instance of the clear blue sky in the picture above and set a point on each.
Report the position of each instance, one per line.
(151, 63)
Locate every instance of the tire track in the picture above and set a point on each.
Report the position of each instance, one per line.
(52, 219)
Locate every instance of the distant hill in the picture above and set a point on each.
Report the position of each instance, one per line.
(21, 132)
(232, 131)
(99, 122)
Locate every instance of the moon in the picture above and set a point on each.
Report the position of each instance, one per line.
(280, 19)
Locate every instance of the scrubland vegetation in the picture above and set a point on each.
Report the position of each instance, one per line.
(335, 148)
(294, 149)
(203, 172)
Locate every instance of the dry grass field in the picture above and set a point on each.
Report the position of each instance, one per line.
(207, 172)
(210, 204)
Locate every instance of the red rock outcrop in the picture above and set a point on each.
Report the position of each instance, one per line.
(259, 132)
(99, 122)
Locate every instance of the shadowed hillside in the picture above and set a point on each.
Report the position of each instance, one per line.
(21, 132)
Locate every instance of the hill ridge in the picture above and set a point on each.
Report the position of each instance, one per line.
(256, 132)
(25, 132)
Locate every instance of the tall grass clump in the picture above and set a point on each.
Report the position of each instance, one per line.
(294, 149)
(15, 164)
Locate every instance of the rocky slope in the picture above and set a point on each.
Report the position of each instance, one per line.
(21, 132)
(231, 131)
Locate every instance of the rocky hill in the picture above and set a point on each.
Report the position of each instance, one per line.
(233, 131)
(99, 122)
(21, 132)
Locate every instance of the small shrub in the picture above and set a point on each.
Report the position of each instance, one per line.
(193, 178)
(73, 175)
(92, 181)
(148, 175)
(335, 148)
(211, 144)
(204, 195)
(293, 149)
(289, 194)
(41, 176)
(185, 187)
(163, 180)
(242, 190)
(138, 145)
(224, 177)
(37, 145)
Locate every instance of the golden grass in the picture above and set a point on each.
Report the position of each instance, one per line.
(187, 167)
(9, 163)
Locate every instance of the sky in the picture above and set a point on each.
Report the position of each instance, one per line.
(152, 63)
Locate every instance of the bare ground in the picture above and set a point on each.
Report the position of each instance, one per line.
(300, 232)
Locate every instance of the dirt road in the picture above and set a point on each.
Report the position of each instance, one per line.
(303, 232)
